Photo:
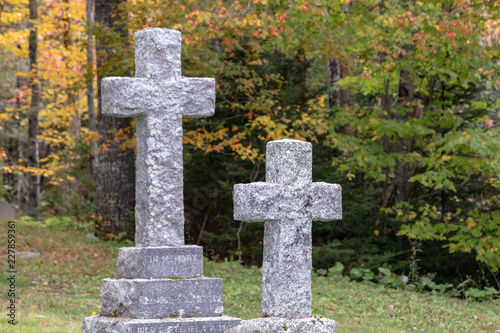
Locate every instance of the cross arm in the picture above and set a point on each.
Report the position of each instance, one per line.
(326, 201)
(256, 202)
(198, 97)
(125, 97)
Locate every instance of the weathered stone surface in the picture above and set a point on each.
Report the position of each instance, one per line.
(288, 201)
(158, 97)
(161, 289)
(160, 262)
(161, 298)
(27, 255)
(256, 202)
(326, 201)
(6, 210)
(274, 325)
(100, 324)
(158, 54)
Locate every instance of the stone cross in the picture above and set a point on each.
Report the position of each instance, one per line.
(160, 285)
(158, 98)
(288, 202)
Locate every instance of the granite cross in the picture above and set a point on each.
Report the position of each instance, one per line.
(158, 98)
(288, 202)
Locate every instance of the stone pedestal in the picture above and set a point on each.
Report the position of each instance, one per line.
(161, 298)
(275, 325)
(101, 324)
(164, 291)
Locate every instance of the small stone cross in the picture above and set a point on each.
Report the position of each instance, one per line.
(288, 202)
(158, 98)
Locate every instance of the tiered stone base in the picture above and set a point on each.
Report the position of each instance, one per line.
(101, 324)
(160, 290)
(275, 325)
(161, 298)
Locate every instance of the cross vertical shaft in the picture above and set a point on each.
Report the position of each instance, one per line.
(158, 98)
(286, 269)
(159, 143)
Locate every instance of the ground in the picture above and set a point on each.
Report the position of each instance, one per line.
(56, 290)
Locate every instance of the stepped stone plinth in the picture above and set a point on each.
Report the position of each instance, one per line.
(161, 298)
(101, 324)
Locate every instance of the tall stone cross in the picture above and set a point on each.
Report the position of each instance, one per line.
(288, 202)
(158, 98)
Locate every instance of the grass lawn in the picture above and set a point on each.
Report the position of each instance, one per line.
(55, 291)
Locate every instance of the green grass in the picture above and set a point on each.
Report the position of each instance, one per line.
(55, 291)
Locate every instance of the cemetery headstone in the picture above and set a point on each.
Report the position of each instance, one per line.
(287, 202)
(161, 287)
(6, 210)
(27, 255)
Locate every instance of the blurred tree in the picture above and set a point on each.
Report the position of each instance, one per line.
(114, 165)
(33, 156)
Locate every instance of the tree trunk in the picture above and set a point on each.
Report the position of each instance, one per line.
(114, 168)
(70, 186)
(386, 101)
(333, 79)
(336, 96)
(302, 66)
(401, 187)
(33, 150)
(402, 169)
(71, 98)
(89, 8)
(11, 139)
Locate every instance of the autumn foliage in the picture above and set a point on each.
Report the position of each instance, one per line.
(414, 141)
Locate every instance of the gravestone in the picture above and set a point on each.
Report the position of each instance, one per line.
(27, 255)
(161, 287)
(288, 202)
(6, 211)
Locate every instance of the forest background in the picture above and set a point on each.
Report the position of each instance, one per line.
(399, 98)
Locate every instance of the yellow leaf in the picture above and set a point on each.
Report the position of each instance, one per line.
(255, 62)
(470, 223)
